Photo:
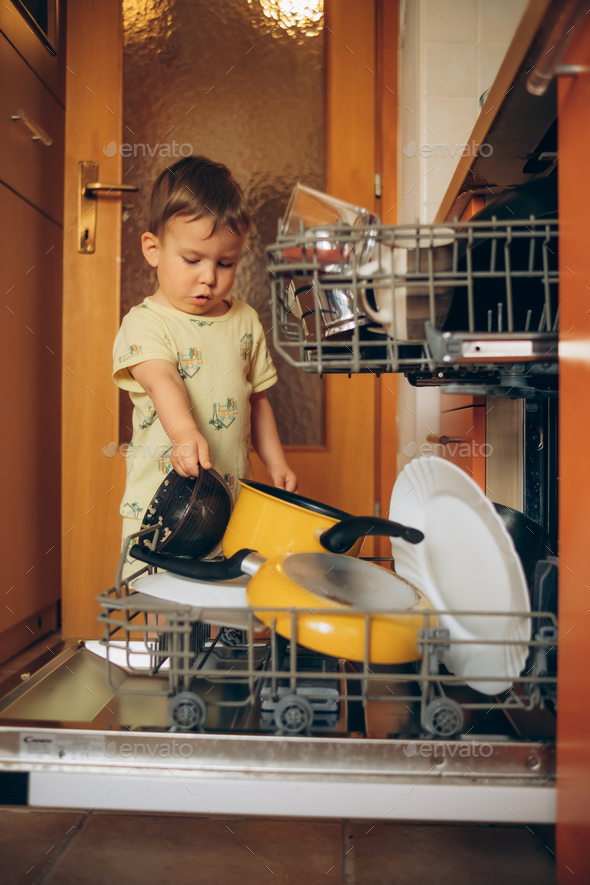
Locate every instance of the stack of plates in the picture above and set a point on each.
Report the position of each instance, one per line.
(467, 561)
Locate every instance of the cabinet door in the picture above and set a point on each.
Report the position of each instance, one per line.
(573, 723)
(462, 422)
(29, 166)
(45, 57)
(30, 373)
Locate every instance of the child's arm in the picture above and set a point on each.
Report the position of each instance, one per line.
(265, 439)
(164, 386)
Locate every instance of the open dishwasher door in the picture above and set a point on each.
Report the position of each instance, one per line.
(362, 754)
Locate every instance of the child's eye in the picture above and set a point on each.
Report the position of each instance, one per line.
(225, 265)
(188, 261)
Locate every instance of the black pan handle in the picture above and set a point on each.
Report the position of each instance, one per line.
(342, 536)
(199, 569)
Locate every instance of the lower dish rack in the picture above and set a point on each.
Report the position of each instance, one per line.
(250, 678)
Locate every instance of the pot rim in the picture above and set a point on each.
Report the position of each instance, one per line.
(299, 502)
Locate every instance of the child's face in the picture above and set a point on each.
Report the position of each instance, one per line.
(196, 269)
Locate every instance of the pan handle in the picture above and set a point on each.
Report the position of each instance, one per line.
(199, 569)
(342, 536)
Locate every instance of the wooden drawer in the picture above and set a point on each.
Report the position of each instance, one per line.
(30, 379)
(31, 168)
(462, 420)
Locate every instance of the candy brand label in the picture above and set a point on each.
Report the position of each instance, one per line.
(51, 746)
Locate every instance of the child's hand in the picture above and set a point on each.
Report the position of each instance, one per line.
(188, 452)
(267, 444)
(282, 476)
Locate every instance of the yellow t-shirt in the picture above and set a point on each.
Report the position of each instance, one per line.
(221, 359)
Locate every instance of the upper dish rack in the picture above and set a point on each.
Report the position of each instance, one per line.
(465, 303)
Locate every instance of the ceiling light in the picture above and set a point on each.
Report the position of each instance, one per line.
(296, 17)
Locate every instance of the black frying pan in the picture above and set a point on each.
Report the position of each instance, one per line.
(530, 539)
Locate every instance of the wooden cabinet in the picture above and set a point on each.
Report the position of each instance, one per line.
(463, 424)
(573, 724)
(31, 232)
(31, 167)
(31, 378)
(45, 57)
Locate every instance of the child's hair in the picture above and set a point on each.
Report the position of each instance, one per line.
(197, 187)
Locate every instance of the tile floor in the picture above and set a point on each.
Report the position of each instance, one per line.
(45, 847)
(50, 847)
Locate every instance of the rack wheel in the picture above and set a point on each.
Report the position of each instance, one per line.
(443, 717)
(187, 711)
(293, 714)
(231, 637)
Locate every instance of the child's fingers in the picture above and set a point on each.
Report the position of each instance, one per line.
(284, 479)
(188, 457)
(204, 456)
(186, 465)
(184, 470)
(192, 465)
(291, 484)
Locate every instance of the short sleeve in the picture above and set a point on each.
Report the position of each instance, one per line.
(142, 337)
(262, 374)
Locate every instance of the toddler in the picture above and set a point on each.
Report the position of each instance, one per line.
(193, 358)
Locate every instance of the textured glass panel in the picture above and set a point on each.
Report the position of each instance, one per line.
(240, 88)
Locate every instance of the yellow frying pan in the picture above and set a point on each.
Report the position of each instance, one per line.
(316, 582)
(323, 581)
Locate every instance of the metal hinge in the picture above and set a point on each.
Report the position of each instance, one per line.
(377, 184)
(377, 508)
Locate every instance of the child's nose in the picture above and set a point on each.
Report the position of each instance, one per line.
(207, 275)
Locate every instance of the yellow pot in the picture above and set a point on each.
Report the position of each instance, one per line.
(315, 581)
(272, 521)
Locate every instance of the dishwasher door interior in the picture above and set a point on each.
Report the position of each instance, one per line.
(92, 733)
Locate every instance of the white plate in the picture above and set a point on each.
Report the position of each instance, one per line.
(125, 654)
(222, 603)
(467, 561)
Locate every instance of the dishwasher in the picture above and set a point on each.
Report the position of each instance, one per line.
(196, 709)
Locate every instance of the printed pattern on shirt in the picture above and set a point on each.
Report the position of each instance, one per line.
(189, 362)
(131, 510)
(164, 463)
(149, 420)
(246, 345)
(224, 414)
(134, 350)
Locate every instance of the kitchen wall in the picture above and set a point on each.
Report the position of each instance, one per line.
(226, 81)
(450, 53)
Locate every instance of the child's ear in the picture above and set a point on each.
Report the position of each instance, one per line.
(150, 246)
